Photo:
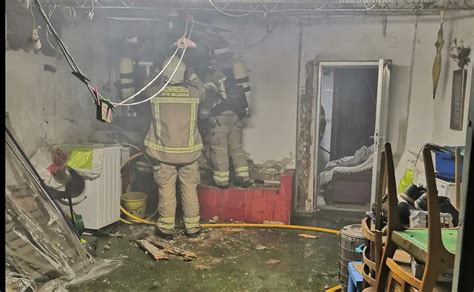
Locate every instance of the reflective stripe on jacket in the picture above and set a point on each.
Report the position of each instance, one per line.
(173, 136)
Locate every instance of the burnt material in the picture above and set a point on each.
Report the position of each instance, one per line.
(304, 151)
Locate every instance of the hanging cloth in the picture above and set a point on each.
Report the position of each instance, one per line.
(437, 60)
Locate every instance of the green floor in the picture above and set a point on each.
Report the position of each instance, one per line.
(228, 259)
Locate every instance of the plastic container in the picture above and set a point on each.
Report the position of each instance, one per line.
(407, 178)
(445, 165)
(135, 203)
(351, 238)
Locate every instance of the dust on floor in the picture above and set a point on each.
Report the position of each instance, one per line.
(229, 259)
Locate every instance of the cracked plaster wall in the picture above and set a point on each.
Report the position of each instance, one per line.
(48, 108)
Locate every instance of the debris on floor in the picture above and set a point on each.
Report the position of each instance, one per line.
(304, 235)
(152, 250)
(158, 249)
(272, 262)
(233, 229)
(260, 247)
(223, 259)
(170, 249)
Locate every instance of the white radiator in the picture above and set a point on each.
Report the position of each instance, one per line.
(102, 204)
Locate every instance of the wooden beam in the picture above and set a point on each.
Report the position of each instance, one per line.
(155, 252)
(168, 248)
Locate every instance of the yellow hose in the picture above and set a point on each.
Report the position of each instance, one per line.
(125, 221)
(135, 218)
(335, 288)
(257, 225)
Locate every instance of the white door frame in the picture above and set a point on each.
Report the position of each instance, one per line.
(380, 117)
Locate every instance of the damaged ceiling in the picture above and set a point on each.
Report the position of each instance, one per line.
(269, 7)
(22, 19)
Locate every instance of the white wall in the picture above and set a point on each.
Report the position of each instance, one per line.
(414, 118)
(428, 119)
(363, 39)
(273, 67)
(47, 108)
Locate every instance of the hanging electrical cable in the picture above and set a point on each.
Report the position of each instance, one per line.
(104, 108)
(232, 15)
(169, 79)
(33, 15)
(157, 76)
(128, 5)
(271, 9)
(269, 32)
(81, 5)
(48, 30)
(212, 25)
(62, 46)
(239, 30)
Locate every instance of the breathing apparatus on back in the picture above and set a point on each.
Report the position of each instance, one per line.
(180, 67)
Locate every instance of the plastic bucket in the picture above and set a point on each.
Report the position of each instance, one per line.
(135, 203)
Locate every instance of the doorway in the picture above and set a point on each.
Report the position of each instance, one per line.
(349, 107)
(353, 110)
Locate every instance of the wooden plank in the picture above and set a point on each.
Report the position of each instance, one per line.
(155, 252)
(168, 248)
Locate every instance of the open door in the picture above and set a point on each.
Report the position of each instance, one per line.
(380, 132)
(351, 122)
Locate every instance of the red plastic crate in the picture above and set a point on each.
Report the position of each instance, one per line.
(252, 205)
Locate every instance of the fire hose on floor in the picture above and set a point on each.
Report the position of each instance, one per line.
(136, 219)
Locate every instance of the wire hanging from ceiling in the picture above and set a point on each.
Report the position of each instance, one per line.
(169, 79)
(98, 98)
(81, 5)
(271, 9)
(233, 15)
(159, 74)
(268, 33)
(91, 12)
(33, 15)
(48, 29)
(344, 7)
(128, 5)
(239, 30)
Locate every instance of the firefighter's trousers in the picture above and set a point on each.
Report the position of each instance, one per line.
(187, 177)
(226, 141)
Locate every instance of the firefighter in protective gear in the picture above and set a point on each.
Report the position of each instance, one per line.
(174, 142)
(227, 103)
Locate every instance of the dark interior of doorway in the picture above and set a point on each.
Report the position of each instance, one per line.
(355, 95)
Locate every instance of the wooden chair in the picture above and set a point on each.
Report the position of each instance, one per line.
(432, 246)
(373, 234)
